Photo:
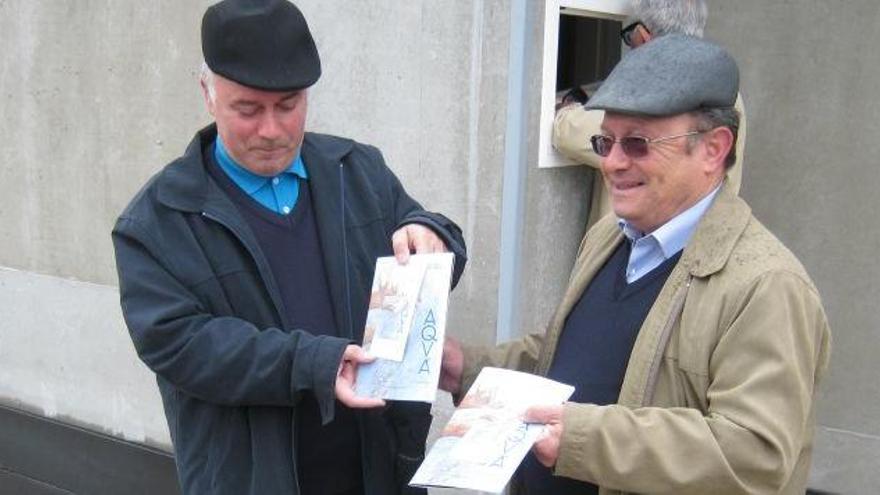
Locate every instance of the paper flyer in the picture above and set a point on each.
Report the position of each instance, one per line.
(486, 439)
(415, 378)
(392, 306)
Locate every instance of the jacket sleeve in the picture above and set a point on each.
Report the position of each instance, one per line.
(218, 359)
(761, 386)
(520, 355)
(406, 210)
(572, 128)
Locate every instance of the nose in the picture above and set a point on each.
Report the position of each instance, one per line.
(616, 159)
(270, 127)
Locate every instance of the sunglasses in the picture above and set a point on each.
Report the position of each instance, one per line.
(627, 33)
(632, 146)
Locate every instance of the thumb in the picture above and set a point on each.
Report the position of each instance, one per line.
(400, 244)
(357, 354)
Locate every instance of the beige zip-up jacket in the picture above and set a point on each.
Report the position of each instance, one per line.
(719, 392)
(572, 128)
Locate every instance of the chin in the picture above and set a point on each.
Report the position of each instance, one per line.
(263, 169)
(621, 210)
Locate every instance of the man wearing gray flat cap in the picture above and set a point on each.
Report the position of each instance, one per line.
(245, 269)
(573, 125)
(694, 338)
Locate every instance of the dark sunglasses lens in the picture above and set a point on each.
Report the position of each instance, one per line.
(634, 146)
(602, 145)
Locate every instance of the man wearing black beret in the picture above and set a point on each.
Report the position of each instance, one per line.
(245, 268)
(695, 340)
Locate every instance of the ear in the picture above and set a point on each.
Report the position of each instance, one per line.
(646, 35)
(716, 145)
(209, 102)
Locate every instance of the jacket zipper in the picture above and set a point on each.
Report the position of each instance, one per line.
(345, 250)
(360, 422)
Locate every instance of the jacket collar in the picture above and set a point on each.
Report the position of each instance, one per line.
(717, 233)
(185, 184)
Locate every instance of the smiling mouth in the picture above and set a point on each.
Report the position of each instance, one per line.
(626, 185)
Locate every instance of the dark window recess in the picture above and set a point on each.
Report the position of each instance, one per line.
(588, 49)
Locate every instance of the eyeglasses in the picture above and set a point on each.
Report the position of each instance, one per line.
(627, 33)
(633, 146)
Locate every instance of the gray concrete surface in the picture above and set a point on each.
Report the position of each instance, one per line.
(66, 355)
(808, 71)
(97, 95)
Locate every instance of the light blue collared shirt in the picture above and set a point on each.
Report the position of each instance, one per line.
(648, 251)
(278, 193)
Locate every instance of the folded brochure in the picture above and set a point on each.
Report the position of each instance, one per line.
(392, 305)
(486, 439)
(416, 375)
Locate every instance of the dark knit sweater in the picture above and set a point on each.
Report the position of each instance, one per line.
(328, 460)
(594, 348)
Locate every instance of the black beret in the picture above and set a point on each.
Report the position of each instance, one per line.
(263, 44)
(669, 75)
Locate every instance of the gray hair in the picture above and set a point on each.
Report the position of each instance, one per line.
(672, 16)
(711, 118)
(206, 77)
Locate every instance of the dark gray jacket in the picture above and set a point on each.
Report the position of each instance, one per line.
(205, 314)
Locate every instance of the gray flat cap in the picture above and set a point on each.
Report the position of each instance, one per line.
(669, 75)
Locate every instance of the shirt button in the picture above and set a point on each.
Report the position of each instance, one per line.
(286, 210)
(275, 181)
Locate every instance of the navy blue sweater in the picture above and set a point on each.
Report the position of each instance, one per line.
(328, 457)
(594, 348)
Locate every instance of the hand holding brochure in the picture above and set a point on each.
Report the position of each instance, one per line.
(486, 439)
(414, 378)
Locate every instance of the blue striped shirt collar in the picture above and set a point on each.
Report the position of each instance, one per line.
(673, 235)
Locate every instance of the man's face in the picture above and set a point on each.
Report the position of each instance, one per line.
(262, 130)
(673, 176)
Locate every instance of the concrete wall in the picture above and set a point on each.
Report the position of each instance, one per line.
(97, 95)
(66, 356)
(808, 79)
